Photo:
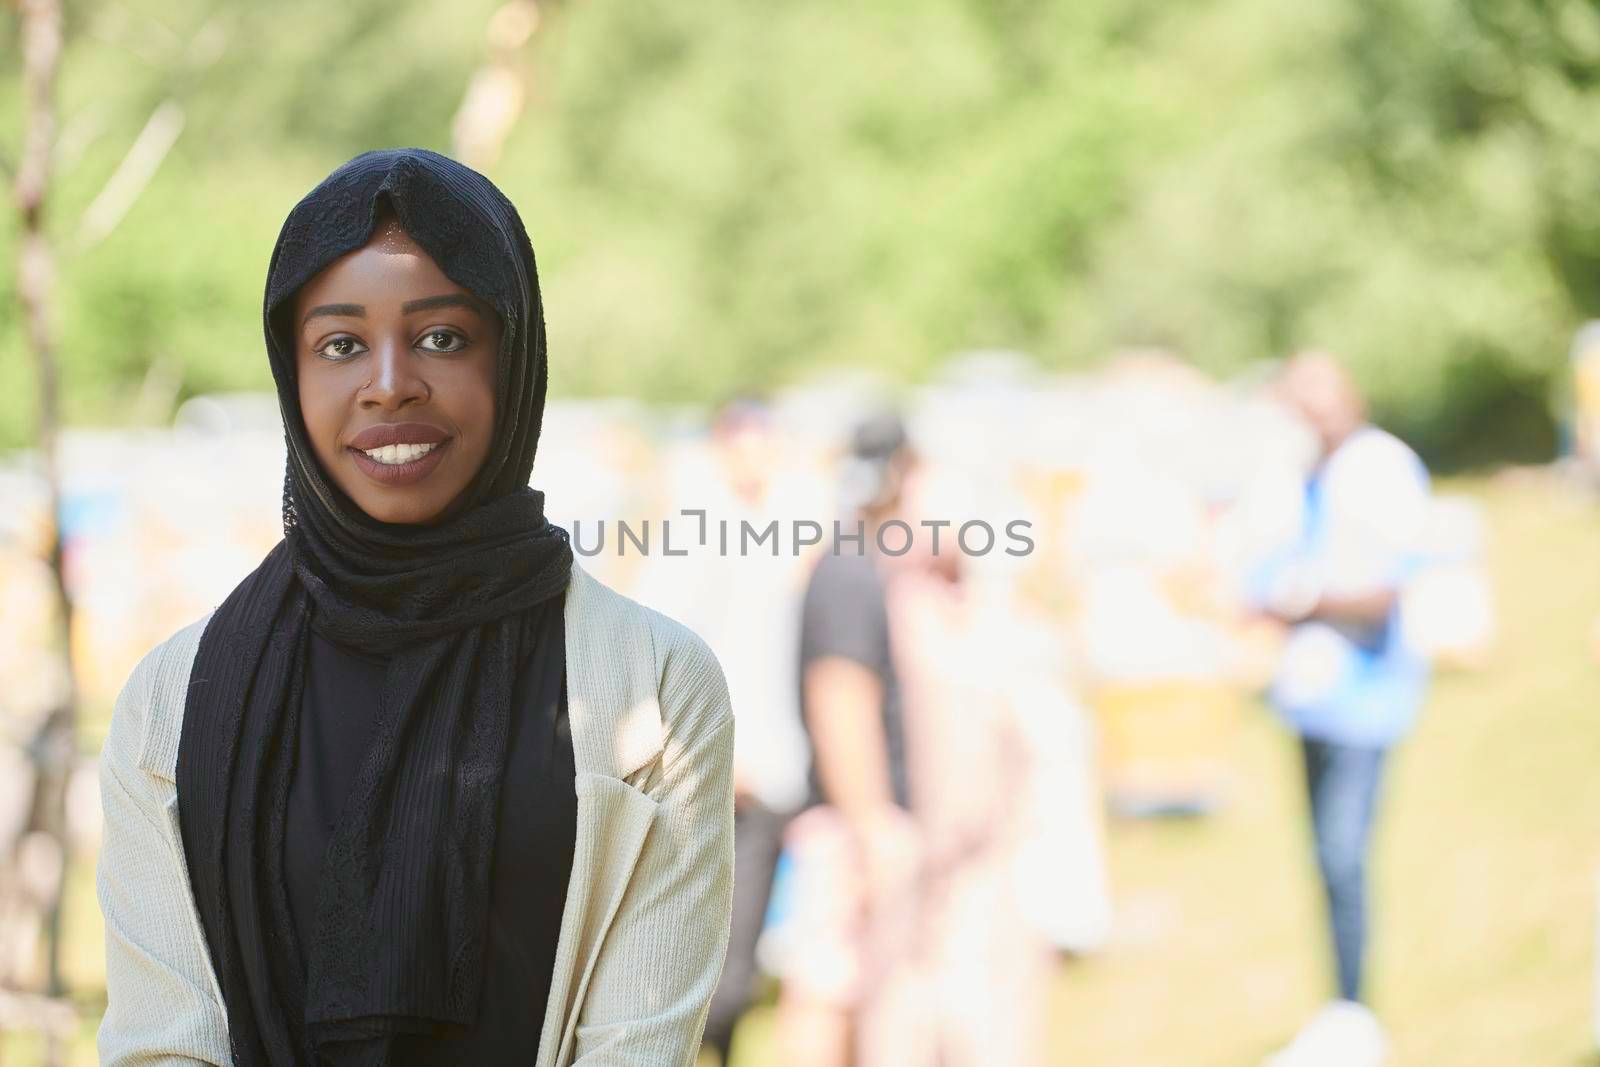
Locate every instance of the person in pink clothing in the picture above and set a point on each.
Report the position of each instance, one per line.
(981, 966)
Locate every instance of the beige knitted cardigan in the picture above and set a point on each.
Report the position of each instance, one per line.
(645, 926)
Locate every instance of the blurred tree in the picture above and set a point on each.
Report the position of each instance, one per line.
(725, 195)
(36, 860)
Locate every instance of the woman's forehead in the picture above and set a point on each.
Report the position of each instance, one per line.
(389, 236)
(391, 257)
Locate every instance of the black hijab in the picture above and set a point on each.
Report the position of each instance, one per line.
(404, 897)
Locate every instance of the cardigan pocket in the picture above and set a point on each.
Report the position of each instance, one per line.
(614, 819)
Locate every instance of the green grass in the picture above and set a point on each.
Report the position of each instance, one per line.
(1487, 859)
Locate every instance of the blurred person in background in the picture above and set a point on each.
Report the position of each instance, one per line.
(1584, 441)
(1585, 413)
(847, 998)
(980, 964)
(747, 607)
(1347, 681)
(393, 800)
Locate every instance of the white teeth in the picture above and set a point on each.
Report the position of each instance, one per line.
(393, 455)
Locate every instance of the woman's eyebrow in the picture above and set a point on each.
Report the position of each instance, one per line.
(446, 300)
(355, 311)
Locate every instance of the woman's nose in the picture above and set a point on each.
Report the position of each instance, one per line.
(395, 382)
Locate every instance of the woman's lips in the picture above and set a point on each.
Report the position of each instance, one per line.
(394, 433)
(398, 474)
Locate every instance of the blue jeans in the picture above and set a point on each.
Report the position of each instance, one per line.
(1342, 783)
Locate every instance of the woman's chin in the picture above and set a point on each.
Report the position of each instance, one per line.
(400, 508)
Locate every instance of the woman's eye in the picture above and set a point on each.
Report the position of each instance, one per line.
(443, 341)
(341, 348)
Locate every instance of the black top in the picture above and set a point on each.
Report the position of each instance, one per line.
(535, 836)
(846, 614)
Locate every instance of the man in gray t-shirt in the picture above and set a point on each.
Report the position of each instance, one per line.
(855, 849)
(845, 616)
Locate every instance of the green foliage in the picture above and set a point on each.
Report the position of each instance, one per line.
(727, 195)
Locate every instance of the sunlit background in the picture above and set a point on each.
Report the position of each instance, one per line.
(1065, 239)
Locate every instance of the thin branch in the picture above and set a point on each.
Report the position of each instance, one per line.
(150, 148)
(132, 175)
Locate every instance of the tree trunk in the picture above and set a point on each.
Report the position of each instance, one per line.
(55, 747)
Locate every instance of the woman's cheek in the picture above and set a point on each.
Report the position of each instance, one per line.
(322, 413)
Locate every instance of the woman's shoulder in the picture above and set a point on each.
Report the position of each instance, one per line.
(148, 716)
(687, 676)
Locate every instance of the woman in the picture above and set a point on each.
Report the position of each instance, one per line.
(420, 790)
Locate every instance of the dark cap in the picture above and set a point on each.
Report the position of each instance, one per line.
(879, 436)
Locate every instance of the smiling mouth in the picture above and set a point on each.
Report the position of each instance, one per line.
(396, 455)
(400, 464)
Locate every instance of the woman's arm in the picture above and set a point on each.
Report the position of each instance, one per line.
(162, 1009)
(661, 959)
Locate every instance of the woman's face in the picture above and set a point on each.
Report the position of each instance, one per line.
(396, 367)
